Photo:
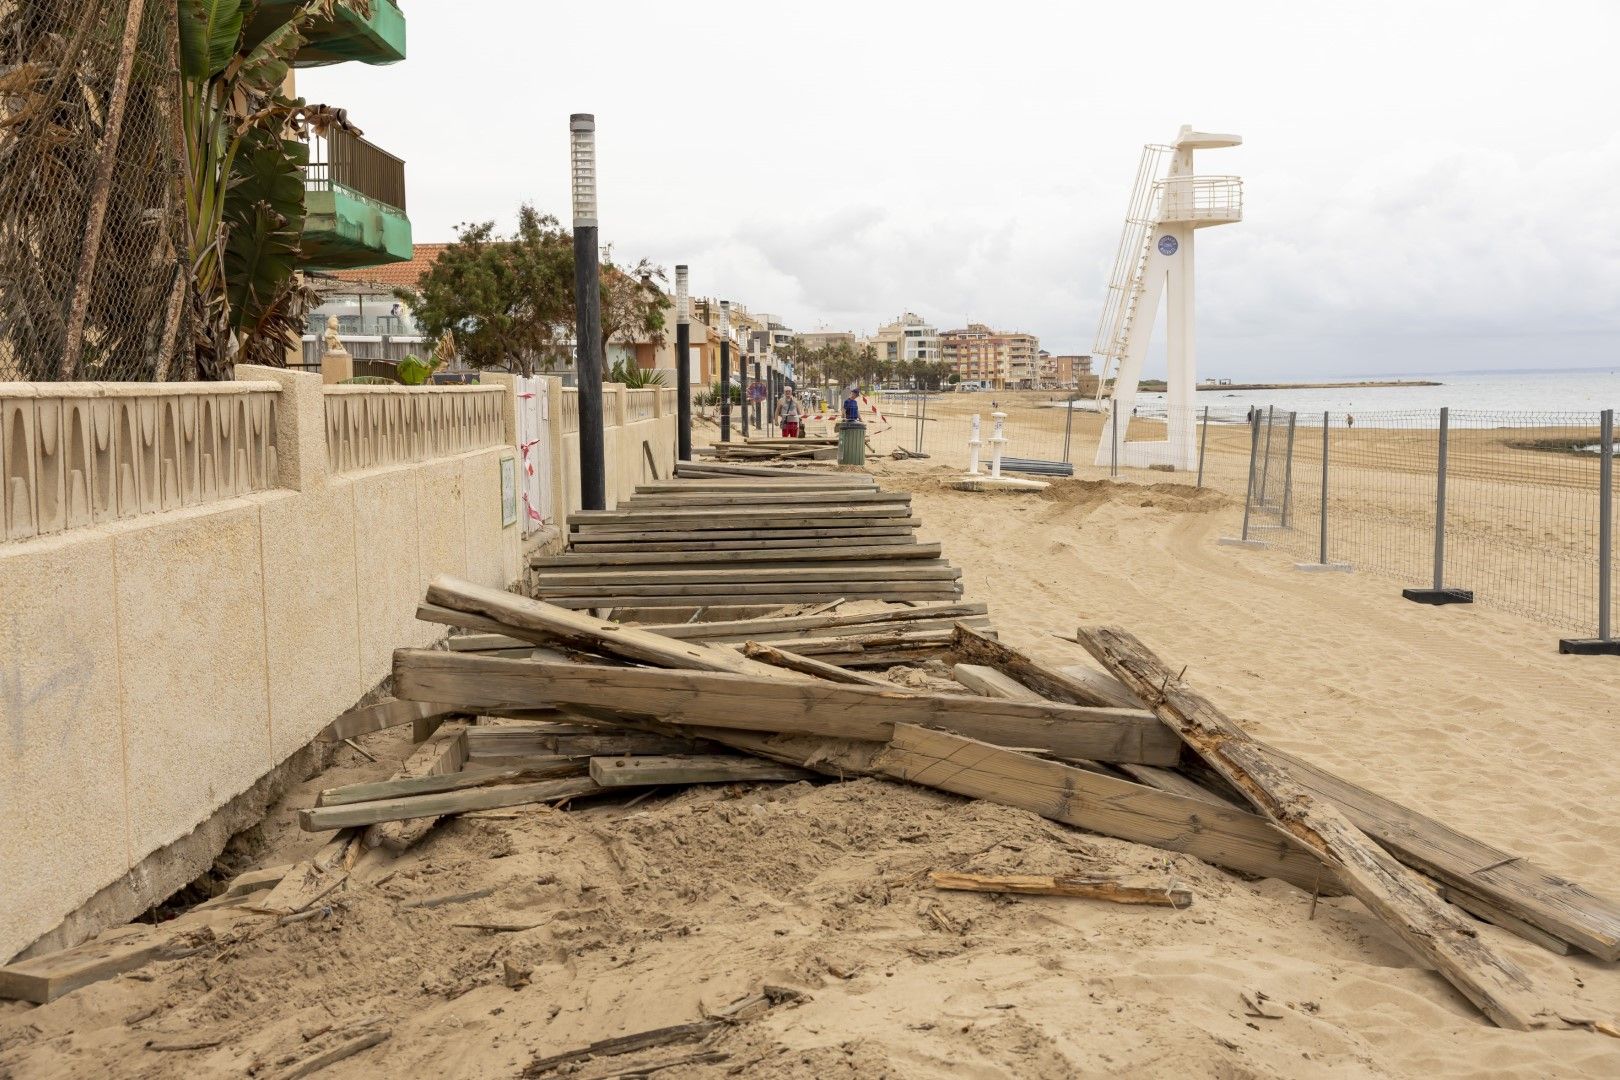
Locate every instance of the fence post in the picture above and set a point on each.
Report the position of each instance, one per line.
(1439, 594)
(1203, 441)
(1288, 469)
(1265, 462)
(1322, 557)
(1113, 440)
(1605, 642)
(1248, 490)
(1068, 427)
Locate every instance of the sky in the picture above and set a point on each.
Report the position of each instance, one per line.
(1428, 185)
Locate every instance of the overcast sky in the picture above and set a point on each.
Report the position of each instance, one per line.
(1428, 185)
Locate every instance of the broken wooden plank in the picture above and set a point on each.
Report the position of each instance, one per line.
(974, 647)
(1433, 929)
(522, 616)
(1237, 839)
(319, 818)
(484, 743)
(805, 665)
(456, 781)
(993, 682)
(1100, 683)
(1498, 880)
(312, 879)
(647, 771)
(1504, 889)
(774, 703)
(342, 1051)
(387, 713)
(43, 979)
(1115, 890)
(444, 753)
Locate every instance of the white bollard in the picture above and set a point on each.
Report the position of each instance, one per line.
(974, 442)
(997, 440)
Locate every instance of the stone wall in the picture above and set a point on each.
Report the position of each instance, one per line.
(197, 579)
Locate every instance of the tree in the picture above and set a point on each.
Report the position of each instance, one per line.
(244, 186)
(510, 300)
(631, 302)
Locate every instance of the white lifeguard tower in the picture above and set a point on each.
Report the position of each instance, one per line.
(1156, 257)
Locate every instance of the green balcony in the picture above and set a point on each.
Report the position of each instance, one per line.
(370, 31)
(354, 204)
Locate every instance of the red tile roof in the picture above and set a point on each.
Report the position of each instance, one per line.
(395, 275)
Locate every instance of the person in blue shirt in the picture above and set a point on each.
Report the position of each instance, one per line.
(852, 405)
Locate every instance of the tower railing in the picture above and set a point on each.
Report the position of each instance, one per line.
(1212, 199)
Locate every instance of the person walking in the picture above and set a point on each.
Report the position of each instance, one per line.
(787, 410)
(852, 405)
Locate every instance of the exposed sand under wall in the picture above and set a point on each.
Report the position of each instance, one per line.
(692, 901)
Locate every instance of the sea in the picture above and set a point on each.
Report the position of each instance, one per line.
(1475, 398)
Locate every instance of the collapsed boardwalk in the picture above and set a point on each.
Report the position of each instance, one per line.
(898, 733)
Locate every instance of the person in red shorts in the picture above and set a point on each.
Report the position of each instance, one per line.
(787, 410)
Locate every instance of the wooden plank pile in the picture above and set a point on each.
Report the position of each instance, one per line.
(760, 449)
(1128, 751)
(537, 702)
(747, 541)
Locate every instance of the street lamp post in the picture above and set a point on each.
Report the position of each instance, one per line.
(588, 313)
(683, 367)
(725, 371)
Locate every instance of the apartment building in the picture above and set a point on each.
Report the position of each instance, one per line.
(1004, 361)
(907, 338)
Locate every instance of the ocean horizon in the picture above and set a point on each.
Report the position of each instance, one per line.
(1577, 395)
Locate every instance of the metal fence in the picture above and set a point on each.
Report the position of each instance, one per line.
(92, 232)
(1513, 509)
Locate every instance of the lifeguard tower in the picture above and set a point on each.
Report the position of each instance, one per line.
(1156, 258)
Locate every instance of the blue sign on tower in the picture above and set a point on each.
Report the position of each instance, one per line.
(1167, 245)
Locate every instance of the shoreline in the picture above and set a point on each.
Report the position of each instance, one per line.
(1372, 385)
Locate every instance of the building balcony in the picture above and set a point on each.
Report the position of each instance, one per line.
(370, 31)
(1200, 200)
(354, 204)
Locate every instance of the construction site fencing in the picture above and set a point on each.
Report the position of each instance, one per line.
(1511, 509)
(93, 275)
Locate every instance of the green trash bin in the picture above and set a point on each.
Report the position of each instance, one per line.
(851, 443)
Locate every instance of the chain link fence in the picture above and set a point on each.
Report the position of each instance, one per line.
(92, 233)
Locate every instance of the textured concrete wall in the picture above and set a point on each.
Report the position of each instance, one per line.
(154, 668)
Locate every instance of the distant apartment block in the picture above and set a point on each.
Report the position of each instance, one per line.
(820, 339)
(907, 338)
(1005, 361)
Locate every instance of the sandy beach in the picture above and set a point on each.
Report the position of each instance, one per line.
(693, 900)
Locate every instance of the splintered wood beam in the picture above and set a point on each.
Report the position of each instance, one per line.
(457, 781)
(780, 701)
(1115, 890)
(387, 713)
(445, 752)
(617, 772)
(1430, 926)
(1225, 836)
(974, 647)
(432, 807)
(520, 616)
